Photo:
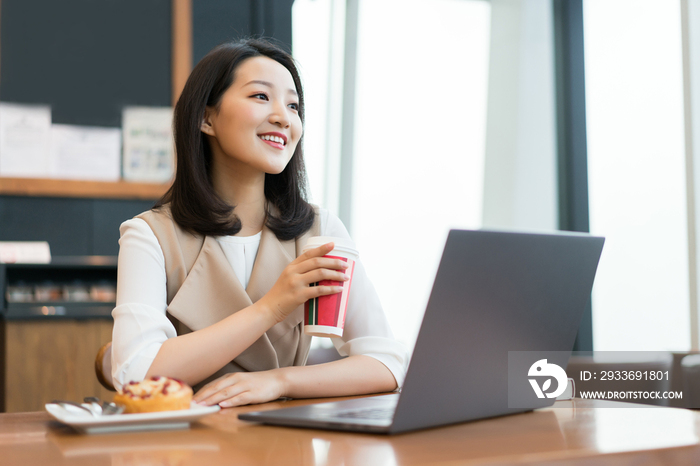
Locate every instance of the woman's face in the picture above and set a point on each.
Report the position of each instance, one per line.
(257, 123)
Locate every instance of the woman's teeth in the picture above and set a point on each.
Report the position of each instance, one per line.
(272, 138)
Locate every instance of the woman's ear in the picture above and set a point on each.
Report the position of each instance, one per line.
(206, 126)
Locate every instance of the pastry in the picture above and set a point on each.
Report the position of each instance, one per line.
(156, 393)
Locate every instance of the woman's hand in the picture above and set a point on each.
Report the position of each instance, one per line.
(292, 287)
(354, 375)
(242, 388)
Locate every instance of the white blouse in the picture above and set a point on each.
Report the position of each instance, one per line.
(141, 325)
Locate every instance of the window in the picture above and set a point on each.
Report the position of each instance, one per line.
(636, 172)
(318, 41)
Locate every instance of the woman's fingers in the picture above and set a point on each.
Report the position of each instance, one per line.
(316, 269)
(321, 263)
(242, 388)
(317, 275)
(212, 387)
(315, 252)
(219, 390)
(224, 395)
(323, 290)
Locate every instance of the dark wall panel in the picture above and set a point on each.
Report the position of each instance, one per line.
(278, 21)
(217, 21)
(65, 225)
(73, 227)
(108, 214)
(86, 58)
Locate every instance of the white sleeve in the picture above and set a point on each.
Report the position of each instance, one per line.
(140, 323)
(366, 329)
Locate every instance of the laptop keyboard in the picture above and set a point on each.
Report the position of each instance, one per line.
(368, 413)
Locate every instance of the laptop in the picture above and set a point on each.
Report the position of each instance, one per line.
(494, 293)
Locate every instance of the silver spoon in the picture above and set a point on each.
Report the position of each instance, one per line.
(94, 404)
(64, 403)
(104, 407)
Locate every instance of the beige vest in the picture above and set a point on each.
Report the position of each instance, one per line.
(203, 289)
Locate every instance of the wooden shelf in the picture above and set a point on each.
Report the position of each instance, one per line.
(85, 189)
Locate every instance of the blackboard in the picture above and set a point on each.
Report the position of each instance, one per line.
(86, 58)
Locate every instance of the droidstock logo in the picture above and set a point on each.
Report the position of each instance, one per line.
(543, 369)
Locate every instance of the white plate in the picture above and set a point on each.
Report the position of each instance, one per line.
(164, 420)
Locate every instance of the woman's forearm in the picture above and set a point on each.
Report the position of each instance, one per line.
(195, 356)
(355, 375)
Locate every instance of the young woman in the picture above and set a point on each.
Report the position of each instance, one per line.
(211, 282)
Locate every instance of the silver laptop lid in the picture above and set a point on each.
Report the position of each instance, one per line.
(494, 292)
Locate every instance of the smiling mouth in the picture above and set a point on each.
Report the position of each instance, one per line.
(276, 139)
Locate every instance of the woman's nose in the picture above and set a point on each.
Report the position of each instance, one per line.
(279, 116)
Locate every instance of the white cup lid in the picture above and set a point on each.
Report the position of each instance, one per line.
(341, 245)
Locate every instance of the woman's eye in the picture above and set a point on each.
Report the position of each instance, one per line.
(294, 107)
(260, 96)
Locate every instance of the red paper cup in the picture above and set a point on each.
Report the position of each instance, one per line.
(325, 316)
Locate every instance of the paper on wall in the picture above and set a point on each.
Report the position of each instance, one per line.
(148, 144)
(25, 252)
(25, 138)
(85, 152)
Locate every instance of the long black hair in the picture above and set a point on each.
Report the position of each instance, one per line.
(194, 204)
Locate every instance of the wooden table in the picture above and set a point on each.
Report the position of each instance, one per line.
(574, 432)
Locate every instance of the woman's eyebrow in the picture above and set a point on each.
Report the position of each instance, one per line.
(270, 85)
